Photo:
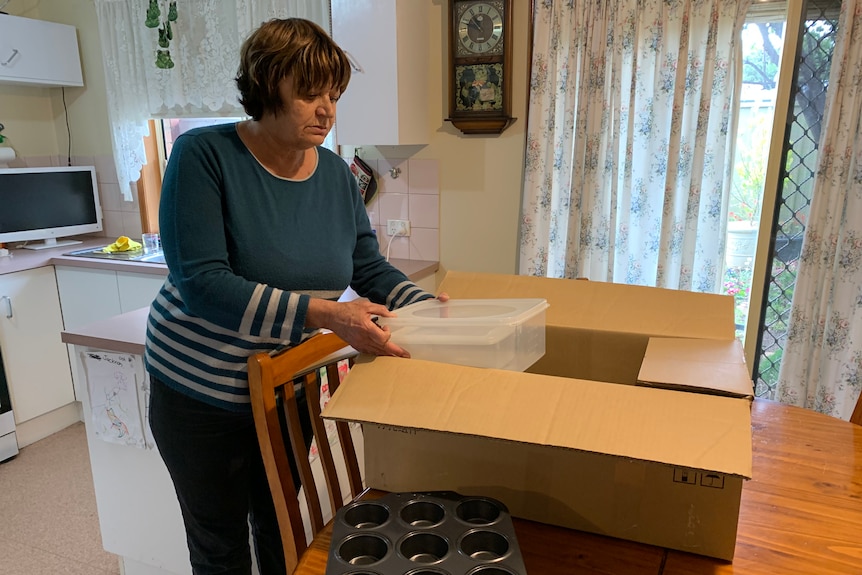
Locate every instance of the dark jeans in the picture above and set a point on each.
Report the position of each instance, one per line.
(214, 461)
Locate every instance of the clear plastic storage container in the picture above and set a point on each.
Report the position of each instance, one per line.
(498, 333)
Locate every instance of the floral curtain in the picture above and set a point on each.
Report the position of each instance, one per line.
(207, 36)
(630, 140)
(822, 364)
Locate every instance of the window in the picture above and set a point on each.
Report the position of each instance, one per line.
(158, 146)
(762, 43)
(172, 128)
(798, 165)
(767, 30)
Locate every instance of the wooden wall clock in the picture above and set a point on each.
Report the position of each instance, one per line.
(480, 64)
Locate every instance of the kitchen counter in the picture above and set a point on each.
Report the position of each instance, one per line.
(23, 259)
(126, 332)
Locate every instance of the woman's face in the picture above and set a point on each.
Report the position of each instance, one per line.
(305, 121)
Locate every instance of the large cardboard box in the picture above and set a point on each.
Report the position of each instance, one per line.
(567, 444)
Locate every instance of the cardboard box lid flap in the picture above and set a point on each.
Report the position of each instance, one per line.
(697, 365)
(603, 306)
(682, 429)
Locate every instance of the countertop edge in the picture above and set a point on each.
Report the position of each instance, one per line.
(23, 259)
(111, 265)
(126, 332)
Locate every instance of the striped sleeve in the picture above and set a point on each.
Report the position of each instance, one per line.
(275, 313)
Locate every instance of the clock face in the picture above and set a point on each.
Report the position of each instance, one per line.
(480, 29)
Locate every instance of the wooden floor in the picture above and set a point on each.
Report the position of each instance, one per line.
(48, 518)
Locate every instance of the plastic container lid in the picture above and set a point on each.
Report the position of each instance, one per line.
(465, 321)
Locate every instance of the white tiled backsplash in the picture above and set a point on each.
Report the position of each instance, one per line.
(413, 195)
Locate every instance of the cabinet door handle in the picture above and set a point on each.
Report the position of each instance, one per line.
(8, 301)
(14, 53)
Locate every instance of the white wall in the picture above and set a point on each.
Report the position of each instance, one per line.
(480, 177)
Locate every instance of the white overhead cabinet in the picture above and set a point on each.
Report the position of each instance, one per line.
(386, 102)
(38, 53)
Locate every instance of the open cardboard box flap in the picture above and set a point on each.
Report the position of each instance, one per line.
(697, 365)
(606, 307)
(680, 429)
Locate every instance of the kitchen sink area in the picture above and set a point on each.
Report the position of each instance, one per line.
(137, 255)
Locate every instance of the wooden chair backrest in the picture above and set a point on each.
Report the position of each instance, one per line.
(857, 412)
(276, 418)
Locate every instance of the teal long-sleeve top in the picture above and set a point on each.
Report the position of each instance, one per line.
(246, 251)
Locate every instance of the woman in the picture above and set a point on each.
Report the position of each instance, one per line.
(262, 230)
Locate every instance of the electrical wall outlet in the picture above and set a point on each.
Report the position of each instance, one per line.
(398, 227)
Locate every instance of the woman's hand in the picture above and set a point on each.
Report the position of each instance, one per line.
(353, 322)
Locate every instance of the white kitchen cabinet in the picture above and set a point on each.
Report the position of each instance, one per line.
(386, 103)
(87, 295)
(37, 365)
(138, 290)
(90, 295)
(38, 53)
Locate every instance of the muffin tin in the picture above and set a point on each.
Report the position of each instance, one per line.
(435, 533)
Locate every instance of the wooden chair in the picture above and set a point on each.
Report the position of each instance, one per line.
(857, 412)
(276, 417)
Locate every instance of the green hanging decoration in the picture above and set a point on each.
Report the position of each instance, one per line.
(163, 60)
(166, 32)
(153, 14)
(164, 41)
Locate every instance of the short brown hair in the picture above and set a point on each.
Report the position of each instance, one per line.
(279, 48)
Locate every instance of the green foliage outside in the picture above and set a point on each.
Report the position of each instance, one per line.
(752, 147)
(777, 319)
(770, 364)
(746, 198)
(737, 283)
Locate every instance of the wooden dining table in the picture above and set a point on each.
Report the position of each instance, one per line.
(801, 513)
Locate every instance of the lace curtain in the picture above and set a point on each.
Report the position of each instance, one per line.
(205, 50)
(630, 140)
(822, 364)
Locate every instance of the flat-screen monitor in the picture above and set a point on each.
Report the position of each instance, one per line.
(41, 205)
